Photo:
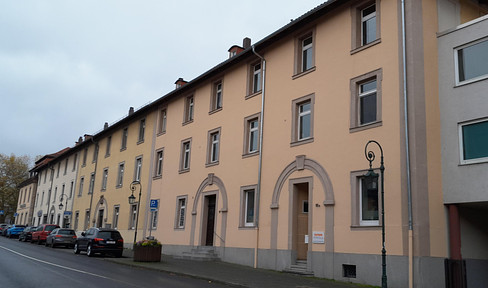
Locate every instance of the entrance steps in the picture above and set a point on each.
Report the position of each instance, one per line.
(300, 268)
(200, 253)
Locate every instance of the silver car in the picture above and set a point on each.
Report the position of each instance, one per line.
(61, 237)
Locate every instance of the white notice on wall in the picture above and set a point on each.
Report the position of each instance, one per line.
(306, 239)
(318, 237)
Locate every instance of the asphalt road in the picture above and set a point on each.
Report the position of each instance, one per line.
(26, 265)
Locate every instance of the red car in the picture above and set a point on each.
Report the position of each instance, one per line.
(41, 233)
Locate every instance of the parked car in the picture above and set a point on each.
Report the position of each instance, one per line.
(26, 235)
(4, 231)
(41, 233)
(15, 230)
(61, 236)
(3, 227)
(100, 240)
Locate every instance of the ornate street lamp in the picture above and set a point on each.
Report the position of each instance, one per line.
(132, 199)
(61, 204)
(371, 183)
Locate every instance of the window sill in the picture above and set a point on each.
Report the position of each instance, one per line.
(361, 48)
(140, 141)
(301, 142)
(247, 155)
(123, 149)
(214, 111)
(470, 81)
(473, 161)
(157, 177)
(242, 227)
(366, 126)
(298, 75)
(253, 94)
(161, 133)
(365, 227)
(187, 122)
(179, 228)
(184, 171)
(107, 155)
(118, 186)
(212, 164)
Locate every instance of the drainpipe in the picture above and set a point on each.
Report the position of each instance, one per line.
(260, 165)
(407, 151)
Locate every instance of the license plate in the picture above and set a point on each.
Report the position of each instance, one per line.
(110, 242)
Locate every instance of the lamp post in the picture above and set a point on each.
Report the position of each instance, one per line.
(61, 205)
(132, 199)
(371, 181)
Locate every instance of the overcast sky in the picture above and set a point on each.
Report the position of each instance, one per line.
(67, 67)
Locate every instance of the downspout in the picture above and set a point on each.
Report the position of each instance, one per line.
(95, 175)
(260, 165)
(407, 151)
(50, 193)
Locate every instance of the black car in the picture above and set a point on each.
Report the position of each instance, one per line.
(26, 235)
(100, 240)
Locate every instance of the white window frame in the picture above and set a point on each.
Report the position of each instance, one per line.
(180, 217)
(104, 179)
(80, 192)
(364, 19)
(365, 94)
(456, 64)
(138, 169)
(92, 183)
(185, 158)
(367, 222)
(142, 130)
(125, 136)
(133, 216)
(158, 172)
(243, 222)
(120, 174)
(115, 223)
(461, 143)
(213, 150)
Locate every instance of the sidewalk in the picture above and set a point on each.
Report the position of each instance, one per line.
(232, 274)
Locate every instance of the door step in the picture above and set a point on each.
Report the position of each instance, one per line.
(300, 268)
(201, 253)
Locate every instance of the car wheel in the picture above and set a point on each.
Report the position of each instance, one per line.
(45, 244)
(89, 251)
(53, 245)
(77, 251)
(39, 241)
(118, 254)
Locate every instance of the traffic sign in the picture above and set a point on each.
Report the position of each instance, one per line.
(67, 212)
(16, 214)
(1, 212)
(154, 204)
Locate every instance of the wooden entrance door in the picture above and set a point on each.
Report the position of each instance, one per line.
(210, 205)
(301, 214)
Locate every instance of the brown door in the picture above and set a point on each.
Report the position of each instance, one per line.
(209, 239)
(301, 214)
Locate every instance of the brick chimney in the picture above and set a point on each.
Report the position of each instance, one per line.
(105, 126)
(131, 110)
(180, 83)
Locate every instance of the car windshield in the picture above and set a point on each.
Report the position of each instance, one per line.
(109, 235)
(66, 232)
(50, 228)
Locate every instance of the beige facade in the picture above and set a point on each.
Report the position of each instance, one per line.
(109, 162)
(26, 202)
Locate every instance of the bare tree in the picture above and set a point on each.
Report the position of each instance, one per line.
(13, 171)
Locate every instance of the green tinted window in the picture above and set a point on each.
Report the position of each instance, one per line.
(475, 140)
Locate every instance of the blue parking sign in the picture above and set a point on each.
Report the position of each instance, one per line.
(154, 203)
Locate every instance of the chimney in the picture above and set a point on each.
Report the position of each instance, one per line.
(235, 49)
(105, 126)
(246, 42)
(80, 139)
(180, 83)
(131, 111)
(87, 137)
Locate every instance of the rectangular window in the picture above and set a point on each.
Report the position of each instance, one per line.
(248, 206)
(85, 155)
(95, 154)
(71, 187)
(365, 24)
(109, 142)
(189, 109)
(180, 212)
(366, 101)
(305, 54)
(55, 194)
(115, 221)
(365, 200)
(87, 220)
(185, 155)
(251, 134)
(125, 134)
(104, 179)
(472, 62)
(368, 24)
(59, 169)
(302, 129)
(159, 163)
(82, 180)
(473, 137)
(256, 80)
(213, 146)
(92, 183)
(45, 176)
(133, 216)
(216, 102)
(163, 118)
(138, 169)
(66, 166)
(120, 175)
(77, 219)
(74, 162)
(142, 129)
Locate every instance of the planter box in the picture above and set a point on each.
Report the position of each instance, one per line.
(147, 254)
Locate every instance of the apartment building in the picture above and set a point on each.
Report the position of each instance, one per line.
(25, 204)
(110, 161)
(463, 82)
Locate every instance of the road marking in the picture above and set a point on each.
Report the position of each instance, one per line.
(56, 265)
